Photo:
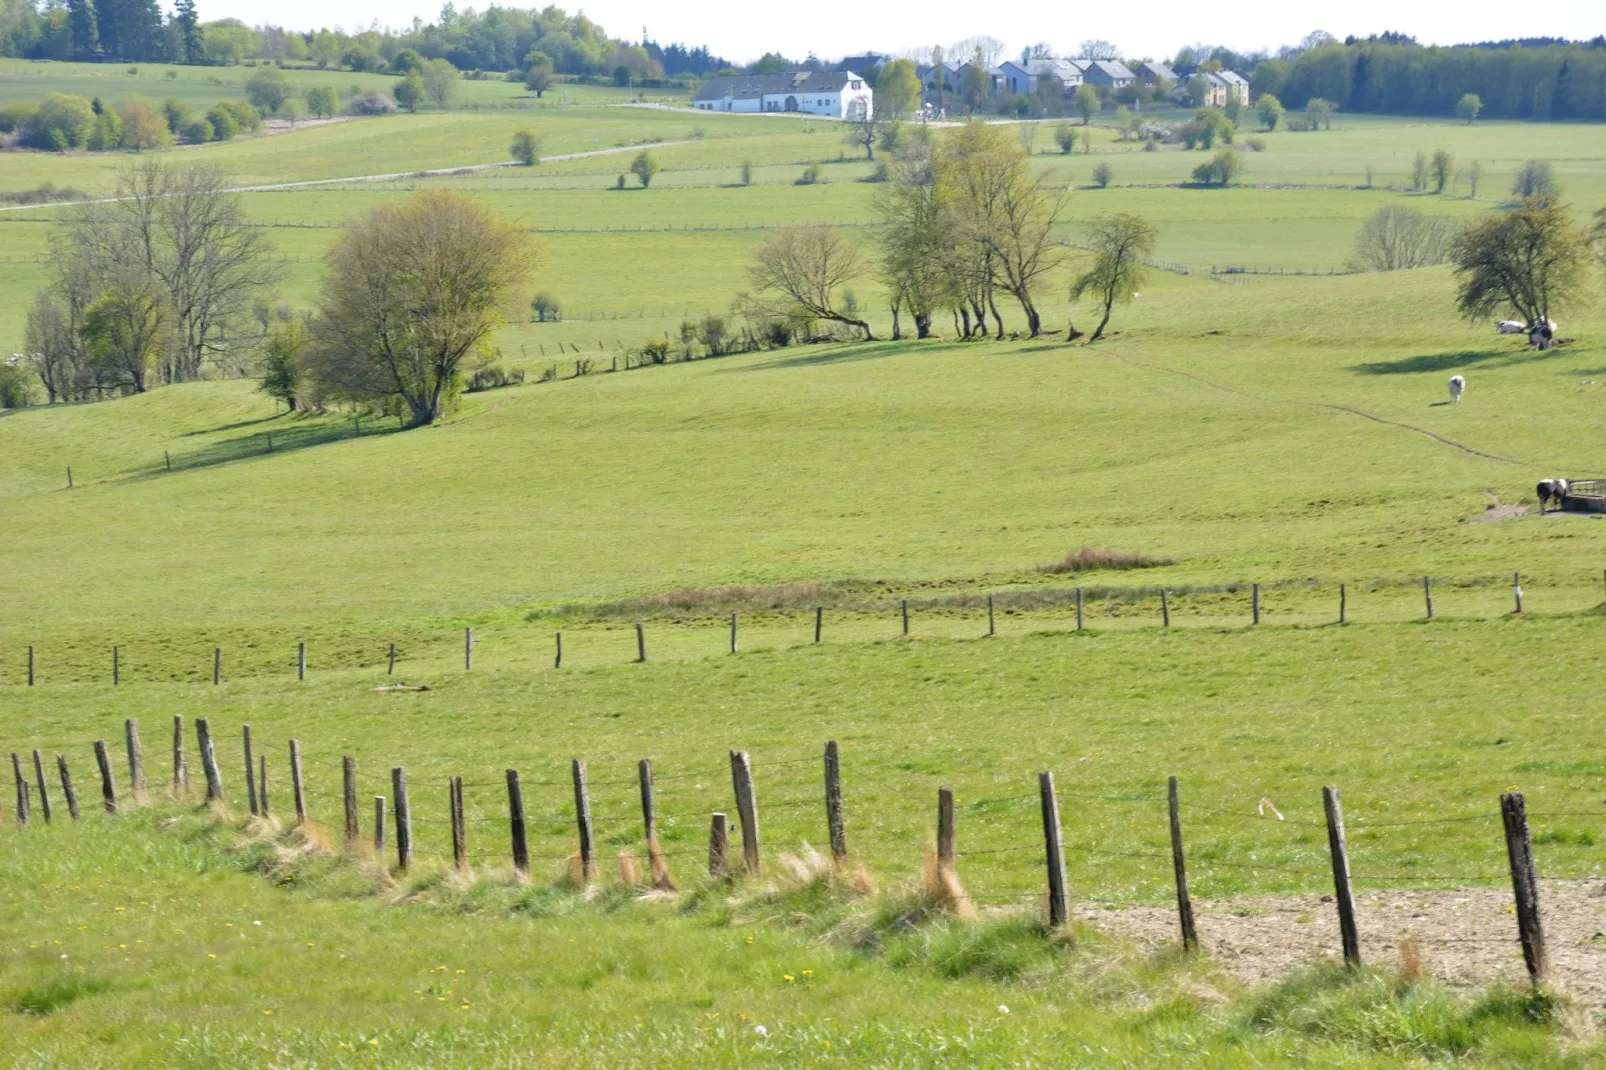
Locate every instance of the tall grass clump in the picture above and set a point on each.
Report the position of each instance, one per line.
(1094, 559)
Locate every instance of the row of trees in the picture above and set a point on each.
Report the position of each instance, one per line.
(131, 30)
(64, 121)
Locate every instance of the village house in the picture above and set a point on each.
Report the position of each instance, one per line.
(1156, 74)
(835, 94)
(1106, 73)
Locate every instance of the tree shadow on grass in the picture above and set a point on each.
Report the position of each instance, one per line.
(1443, 362)
(829, 355)
(284, 439)
(234, 426)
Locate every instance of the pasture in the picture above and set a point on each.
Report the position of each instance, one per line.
(1285, 429)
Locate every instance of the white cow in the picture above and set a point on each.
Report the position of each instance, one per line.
(1553, 490)
(1511, 327)
(1542, 333)
(1458, 386)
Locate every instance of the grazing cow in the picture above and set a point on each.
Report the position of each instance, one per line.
(1553, 490)
(1511, 327)
(1458, 386)
(1542, 334)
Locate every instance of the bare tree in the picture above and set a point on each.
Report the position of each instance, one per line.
(53, 348)
(1530, 261)
(1100, 49)
(1120, 243)
(864, 128)
(412, 290)
(1395, 237)
(984, 51)
(806, 267)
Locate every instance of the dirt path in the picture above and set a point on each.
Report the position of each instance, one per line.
(1468, 936)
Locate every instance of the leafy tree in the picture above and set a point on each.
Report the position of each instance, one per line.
(621, 76)
(863, 129)
(323, 101)
(537, 73)
(1086, 102)
(82, 17)
(143, 128)
(546, 308)
(292, 110)
(440, 80)
(267, 89)
(189, 31)
(1102, 174)
(897, 90)
(198, 130)
(644, 167)
(107, 133)
(409, 92)
(412, 290)
(61, 122)
(1319, 113)
(1419, 172)
(1468, 107)
(526, 148)
(223, 122)
(1530, 261)
(176, 113)
(1120, 243)
(16, 391)
(406, 62)
(1474, 176)
(1535, 178)
(122, 332)
(1442, 166)
(1271, 110)
(1222, 170)
(282, 366)
(1597, 236)
(1065, 138)
(802, 269)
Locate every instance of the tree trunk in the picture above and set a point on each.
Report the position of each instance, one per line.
(998, 319)
(1098, 332)
(897, 329)
(922, 325)
(1071, 333)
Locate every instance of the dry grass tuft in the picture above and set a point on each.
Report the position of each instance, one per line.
(806, 866)
(1412, 968)
(658, 867)
(629, 869)
(941, 886)
(1094, 559)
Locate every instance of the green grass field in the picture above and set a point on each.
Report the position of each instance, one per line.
(1290, 430)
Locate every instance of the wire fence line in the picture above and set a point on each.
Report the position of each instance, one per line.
(633, 831)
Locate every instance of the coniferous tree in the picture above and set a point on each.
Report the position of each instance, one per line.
(189, 31)
(85, 27)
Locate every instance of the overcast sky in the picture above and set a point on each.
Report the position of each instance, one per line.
(831, 28)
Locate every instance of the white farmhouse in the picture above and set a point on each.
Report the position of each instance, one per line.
(838, 94)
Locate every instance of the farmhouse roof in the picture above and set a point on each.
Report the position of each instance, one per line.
(748, 86)
(1113, 68)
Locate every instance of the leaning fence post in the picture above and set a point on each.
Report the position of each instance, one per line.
(181, 771)
(1427, 595)
(582, 818)
(1256, 599)
(1190, 937)
(649, 810)
(515, 813)
(214, 778)
(39, 775)
(250, 771)
(108, 787)
(1341, 886)
(459, 827)
(136, 761)
(1059, 907)
(404, 819)
(67, 788)
(557, 661)
(379, 826)
(22, 789)
(946, 855)
(348, 771)
(746, 808)
(296, 786)
(718, 846)
(1524, 883)
(1516, 589)
(833, 805)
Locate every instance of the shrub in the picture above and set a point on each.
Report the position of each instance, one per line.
(882, 172)
(1065, 138)
(656, 350)
(370, 103)
(525, 148)
(1224, 167)
(14, 116)
(16, 383)
(1095, 559)
(143, 128)
(493, 376)
(747, 172)
(267, 89)
(811, 175)
(1102, 175)
(546, 308)
(177, 115)
(61, 121)
(323, 101)
(1256, 144)
(223, 123)
(245, 115)
(197, 130)
(409, 92)
(1151, 146)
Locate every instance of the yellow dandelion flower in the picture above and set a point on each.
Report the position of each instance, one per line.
(788, 978)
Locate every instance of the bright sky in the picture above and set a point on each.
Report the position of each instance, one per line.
(739, 30)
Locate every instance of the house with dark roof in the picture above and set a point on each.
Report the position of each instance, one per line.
(1108, 73)
(834, 94)
(1155, 73)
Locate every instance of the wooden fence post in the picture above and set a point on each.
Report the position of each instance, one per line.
(262, 784)
(649, 809)
(557, 661)
(515, 813)
(30, 664)
(296, 785)
(718, 846)
(181, 771)
(947, 857)
(301, 661)
(66, 788)
(1516, 589)
(250, 770)
(1343, 600)
(905, 607)
(746, 808)
(641, 643)
(39, 776)
(468, 649)
(1524, 884)
(833, 805)
(1079, 609)
(1165, 608)
(1059, 906)
(582, 818)
(819, 622)
(390, 666)
(1256, 599)
(991, 630)
(459, 826)
(379, 826)
(22, 789)
(733, 633)
(404, 819)
(136, 761)
(1341, 886)
(348, 772)
(117, 667)
(108, 787)
(1427, 595)
(214, 778)
(1190, 937)
(217, 666)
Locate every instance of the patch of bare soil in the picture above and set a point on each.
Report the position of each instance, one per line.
(1501, 512)
(1468, 936)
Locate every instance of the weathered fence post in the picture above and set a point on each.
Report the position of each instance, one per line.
(1341, 886)
(746, 808)
(404, 819)
(468, 649)
(1516, 589)
(515, 814)
(262, 784)
(390, 665)
(1190, 937)
(1524, 884)
(947, 856)
(1256, 600)
(1427, 595)
(136, 761)
(30, 664)
(22, 789)
(557, 660)
(1079, 609)
(1059, 907)
(649, 809)
(217, 666)
(250, 769)
(718, 846)
(301, 661)
(348, 771)
(1165, 609)
(108, 787)
(833, 805)
(819, 622)
(181, 771)
(214, 778)
(66, 788)
(582, 818)
(117, 667)
(904, 604)
(379, 826)
(1343, 600)
(39, 775)
(459, 826)
(641, 643)
(296, 786)
(991, 630)
(733, 633)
